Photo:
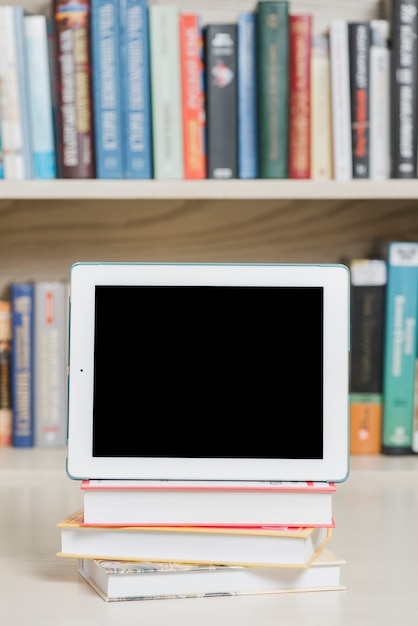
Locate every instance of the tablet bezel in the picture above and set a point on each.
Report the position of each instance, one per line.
(334, 278)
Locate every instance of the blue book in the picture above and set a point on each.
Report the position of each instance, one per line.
(22, 75)
(400, 347)
(39, 97)
(107, 96)
(135, 80)
(22, 364)
(247, 97)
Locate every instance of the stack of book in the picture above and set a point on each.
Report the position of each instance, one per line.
(158, 539)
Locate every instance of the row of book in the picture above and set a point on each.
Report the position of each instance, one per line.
(158, 539)
(33, 364)
(384, 351)
(131, 89)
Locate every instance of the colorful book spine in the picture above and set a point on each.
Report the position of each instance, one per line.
(75, 158)
(192, 96)
(404, 86)
(136, 89)
(39, 97)
(247, 97)
(5, 373)
(321, 125)
(16, 139)
(400, 347)
(368, 296)
(300, 51)
(50, 380)
(359, 63)
(273, 87)
(221, 63)
(340, 100)
(167, 124)
(106, 88)
(380, 125)
(22, 364)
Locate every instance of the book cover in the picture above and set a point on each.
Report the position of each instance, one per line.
(380, 98)
(226, 503)
(400, 347)
(359, 64)
(368, 299)
(300, 51)
(340, 100)
(221, 64)
(321, 119)
(192, 96)
(247, 96)
(39, 97)
(15, 129)
(75, 158)
(167, 123)
(279, 547)
(120, 580)
(5, 373)
(136, 89)
(50, 371)
(404, 85)
(105, 52)
(22, 364)
(273, 87)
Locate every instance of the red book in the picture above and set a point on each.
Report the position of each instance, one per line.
(192, 97)
(300, 46)
(74, 89)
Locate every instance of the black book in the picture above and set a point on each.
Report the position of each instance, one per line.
(221, 100)
(359, 58)
(404, 71)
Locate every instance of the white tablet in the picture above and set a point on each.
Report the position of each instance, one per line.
(208, 372)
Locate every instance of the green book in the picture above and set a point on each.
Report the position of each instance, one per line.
(273, 87)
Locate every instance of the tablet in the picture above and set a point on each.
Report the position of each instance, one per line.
(184, 371)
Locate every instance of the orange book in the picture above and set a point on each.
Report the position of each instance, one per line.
(366, 424)
(192, 97)
(300, 47)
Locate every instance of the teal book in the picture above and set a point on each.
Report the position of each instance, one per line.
(167, 125)
(400, 347)
(273, 87)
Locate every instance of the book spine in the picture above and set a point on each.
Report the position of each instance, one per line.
(368, 294)
(415, 415)
(192, 96)
(247, 97)
(74, 89)
(321, 127)
(380, 124)
(300, 50)
(273, 87)
(136, 89)
(22, 365)
(40, 100)
(340, 100)
(400, 347)
(14, 116)
(5, 373)
(50, 363)
(359, 60)
(404, 85)
(167, 124)
(106, 88)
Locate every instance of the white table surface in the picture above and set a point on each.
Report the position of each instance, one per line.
(376, 515)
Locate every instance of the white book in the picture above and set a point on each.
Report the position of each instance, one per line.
(275, 547)
(380, 121)
(226, 503)
(39, 96)
(340, 99)
(17, 153)
(321, 117)
(119, 580)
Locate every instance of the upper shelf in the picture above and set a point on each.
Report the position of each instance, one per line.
(266, 189)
